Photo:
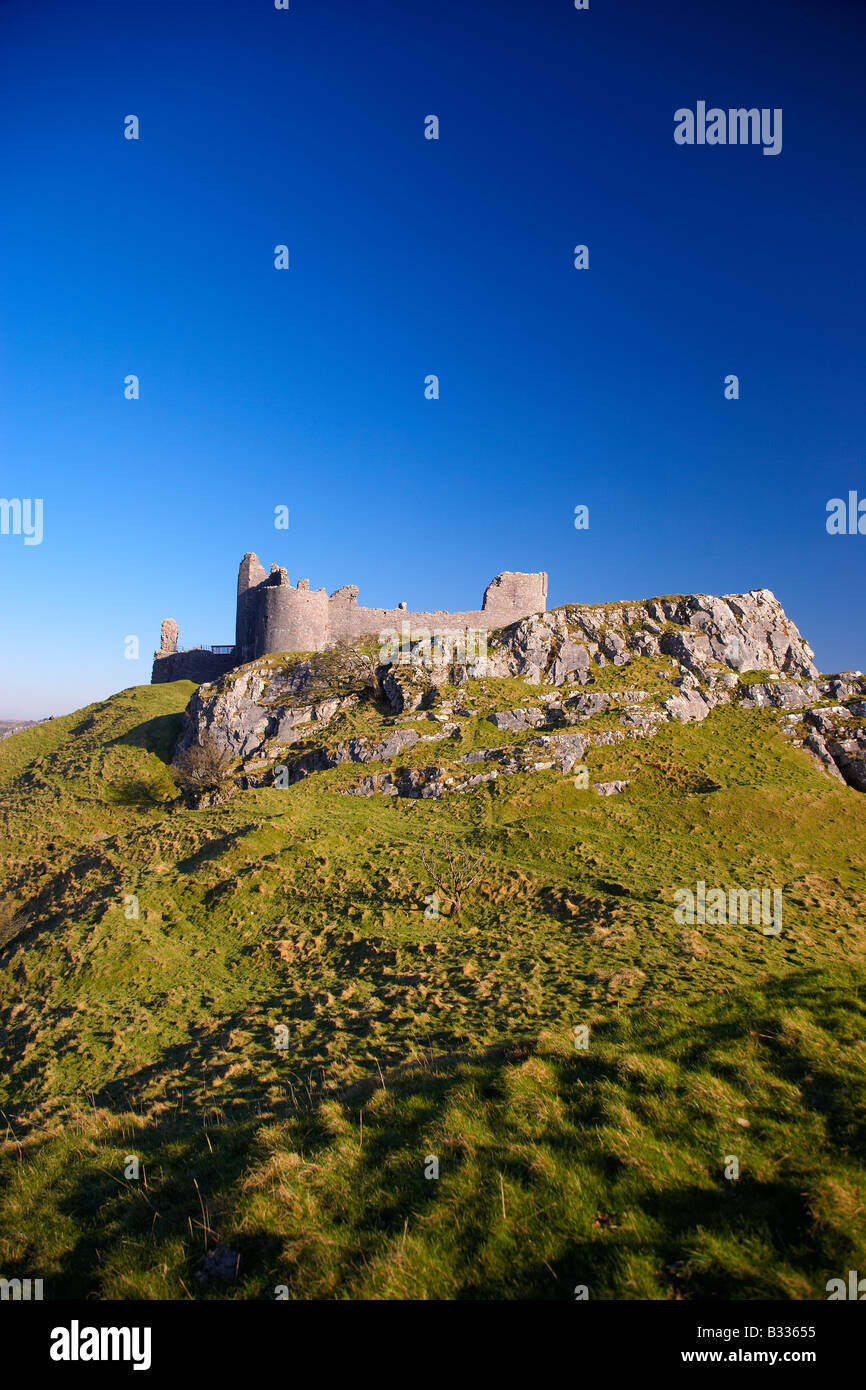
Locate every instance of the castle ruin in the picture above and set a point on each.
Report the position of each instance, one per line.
(274, 615)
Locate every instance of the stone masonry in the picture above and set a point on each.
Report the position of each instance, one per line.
(274, 615)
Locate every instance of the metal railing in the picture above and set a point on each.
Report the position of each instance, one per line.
(220, 650)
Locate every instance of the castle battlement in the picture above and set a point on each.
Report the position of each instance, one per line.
(274, 615)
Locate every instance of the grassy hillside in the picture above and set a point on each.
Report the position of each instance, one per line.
(153, 952)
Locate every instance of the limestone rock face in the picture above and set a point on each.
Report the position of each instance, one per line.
(835, 735)
(517, 720)
(572, 658)
(744, 632)
(826, 720)
(407, 688)
(253, 705)
(691, 706)
(777, 695)
(817, 746)
(849, 755)
(272, 713)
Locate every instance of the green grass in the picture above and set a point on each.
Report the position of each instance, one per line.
(154, 1034)
(756, 677)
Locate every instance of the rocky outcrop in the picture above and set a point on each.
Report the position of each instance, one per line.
(690, 706)
(272, 715)
(274, 770)
(780, 695)
(556, 713)
(743, 632)
(258, 705)
(835, 735)
(849, 756)
(553, 753)
(407, 688)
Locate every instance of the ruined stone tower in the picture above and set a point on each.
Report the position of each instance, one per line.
(274, 615)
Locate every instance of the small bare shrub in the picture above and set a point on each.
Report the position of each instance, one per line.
(203, 769)
(451, 870)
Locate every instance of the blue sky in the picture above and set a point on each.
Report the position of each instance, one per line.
(409, 257)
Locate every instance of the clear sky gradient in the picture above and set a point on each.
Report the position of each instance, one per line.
(409, 257)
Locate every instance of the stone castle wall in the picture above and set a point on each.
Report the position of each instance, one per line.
(274, 615)
(199, 665)
(282, 617)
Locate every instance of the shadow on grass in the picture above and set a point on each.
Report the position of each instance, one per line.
(157, 735)
(696, 1236)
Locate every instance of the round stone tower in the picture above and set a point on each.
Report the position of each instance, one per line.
(290, 619)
